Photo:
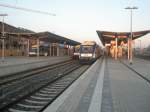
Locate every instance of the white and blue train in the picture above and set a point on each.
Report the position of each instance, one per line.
(89, 52)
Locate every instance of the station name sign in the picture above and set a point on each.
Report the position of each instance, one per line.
(2, 37)
(123, 36)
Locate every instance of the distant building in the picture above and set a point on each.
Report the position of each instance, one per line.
(15, 45)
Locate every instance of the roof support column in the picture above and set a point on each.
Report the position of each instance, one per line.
(3, 50)
(131, 52)
(53, 50)
(116, 49)
(38, 45)
(57, 49)
(68, 50)
(128, 49)
(23, 48)
(28, 47)
(50, 47)
(18, 45)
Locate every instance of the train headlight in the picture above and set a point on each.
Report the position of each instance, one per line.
(86, 55)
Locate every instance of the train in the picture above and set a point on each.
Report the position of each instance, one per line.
(89, 52)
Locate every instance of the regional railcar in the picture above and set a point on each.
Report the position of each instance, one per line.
(89, 52)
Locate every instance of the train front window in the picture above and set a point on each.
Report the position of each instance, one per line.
(33, 50)
(87, 49)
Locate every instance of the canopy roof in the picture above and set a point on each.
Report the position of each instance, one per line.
(46, 37)
(53, 38)
(13, 29)
(106, 36)
(43, 36)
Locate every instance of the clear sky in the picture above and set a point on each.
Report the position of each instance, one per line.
(79, 19)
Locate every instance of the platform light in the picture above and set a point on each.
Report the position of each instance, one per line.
(131, 35)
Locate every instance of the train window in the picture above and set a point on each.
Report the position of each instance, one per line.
(87, 49)
(33, 50)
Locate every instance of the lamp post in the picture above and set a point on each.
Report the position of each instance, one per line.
(3, 37)
(130, 54)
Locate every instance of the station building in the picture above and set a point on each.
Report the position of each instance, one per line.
(15, 44)
(20, 41)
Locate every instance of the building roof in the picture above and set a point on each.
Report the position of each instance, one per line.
(53, 38)
(43, 36)
(9, 28)
(47, 37)
(107, 36)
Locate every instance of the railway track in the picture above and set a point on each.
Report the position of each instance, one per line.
(139, 74)
(37, 90)
(27, 73)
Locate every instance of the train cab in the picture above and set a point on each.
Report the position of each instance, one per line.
(89, 52)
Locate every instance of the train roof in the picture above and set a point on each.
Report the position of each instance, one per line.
(77, 46)
(88, 43)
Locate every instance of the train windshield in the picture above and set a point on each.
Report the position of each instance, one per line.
(87, 49)
(33, 50)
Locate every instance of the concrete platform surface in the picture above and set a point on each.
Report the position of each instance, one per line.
(141, 66)
(17, 64)
(84, 95)
(129, 92)
(108, 86)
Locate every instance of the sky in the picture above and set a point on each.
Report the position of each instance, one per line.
(79, 19)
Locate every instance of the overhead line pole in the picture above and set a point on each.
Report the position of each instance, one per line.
(3, 37)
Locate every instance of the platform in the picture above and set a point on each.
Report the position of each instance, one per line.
(129, 92)
(108, 86)
(140, 65)
(87, 89)
(17, 64)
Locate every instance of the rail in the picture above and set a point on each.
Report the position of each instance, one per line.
(27, 88)
(23, 74)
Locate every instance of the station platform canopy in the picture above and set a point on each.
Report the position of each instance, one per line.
(107, 36)
(46, 37)
(53, 38)
(9, 28)
(43, 36)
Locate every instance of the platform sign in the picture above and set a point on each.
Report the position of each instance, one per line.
(113, 36)
(2, 37)
(122, 36)
(107, 44)
(54, 44)
(61, 45)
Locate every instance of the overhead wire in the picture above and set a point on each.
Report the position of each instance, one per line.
(26, 9)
